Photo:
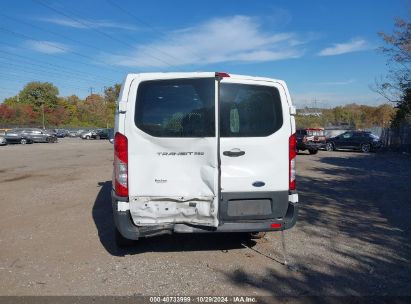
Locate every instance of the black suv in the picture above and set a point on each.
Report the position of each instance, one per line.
(310, 139)
(100, 134)
(354, 140)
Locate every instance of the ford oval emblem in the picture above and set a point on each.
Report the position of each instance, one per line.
(258, 184)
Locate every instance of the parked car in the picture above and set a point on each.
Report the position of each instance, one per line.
(75, 133)
(87, 134)
(311, 139)
(178, 169)
(3, 141)
(39, 135)
(60, 133)
(354, 140)
(111, 135)
(16, 137)
(100, 134)
(3, 131)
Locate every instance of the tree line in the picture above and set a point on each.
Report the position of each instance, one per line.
(357, 116)
(26, 108)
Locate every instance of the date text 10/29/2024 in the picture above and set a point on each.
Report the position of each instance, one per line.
(205, 299)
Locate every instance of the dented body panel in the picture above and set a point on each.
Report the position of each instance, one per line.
(175, 179)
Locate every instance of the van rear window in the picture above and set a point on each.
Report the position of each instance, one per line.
(249, 110)
(176, 108)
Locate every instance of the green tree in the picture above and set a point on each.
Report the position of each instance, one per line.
(10, 100)
(36, 93)
(111, 93)
(403, 113)
(92, 112)
(397, 84)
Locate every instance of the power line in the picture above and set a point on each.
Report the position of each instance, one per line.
(48, 72)
(62, 36)
(100, 31)
(24, 79)
(27, 60)
(48, 31)
(160, 33)
(23, 37)
(143, 23)
(64, 72)
(37, 74)
(62, 59)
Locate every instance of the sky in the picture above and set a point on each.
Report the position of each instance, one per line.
(326, 51)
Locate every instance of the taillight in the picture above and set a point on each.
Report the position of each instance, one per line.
(291, 166)
(120, 165)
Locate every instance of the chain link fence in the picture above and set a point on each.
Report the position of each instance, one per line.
(397, 139)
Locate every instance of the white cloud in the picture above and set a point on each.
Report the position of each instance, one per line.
(229, 39)
(355, 45)
(48, 47)
(84, 24)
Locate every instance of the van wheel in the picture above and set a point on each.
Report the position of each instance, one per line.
(121, 241)
(329, 147)
(365, 148)
(88, 137)
(312, 151)
(257, 235)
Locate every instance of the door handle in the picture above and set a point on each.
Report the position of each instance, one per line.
(234, 153)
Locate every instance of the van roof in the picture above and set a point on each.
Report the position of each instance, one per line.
(195, 74)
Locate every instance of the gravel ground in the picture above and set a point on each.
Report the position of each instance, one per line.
(352, 238)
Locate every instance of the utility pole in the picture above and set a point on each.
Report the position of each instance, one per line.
(91, 90)
(38, 98)
(315, 103)
(42, 110)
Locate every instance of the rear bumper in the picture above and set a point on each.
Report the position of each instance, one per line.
(129, 230)
(310, 145)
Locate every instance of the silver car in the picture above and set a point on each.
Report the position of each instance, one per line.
(39, 135)
(88, 134)
(3, 141)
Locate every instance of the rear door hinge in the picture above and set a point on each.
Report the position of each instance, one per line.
(293, 110)
(122, 107)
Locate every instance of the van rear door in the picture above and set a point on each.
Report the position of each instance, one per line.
(254, 134)
(171, 124)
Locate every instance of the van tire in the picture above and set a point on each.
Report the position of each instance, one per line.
(312, 151)
(257, 235)
(88, 137)
(121, 241)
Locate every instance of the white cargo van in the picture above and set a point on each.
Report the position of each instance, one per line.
(203, 152)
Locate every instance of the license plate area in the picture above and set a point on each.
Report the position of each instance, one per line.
(237, 206)
(241, 208)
